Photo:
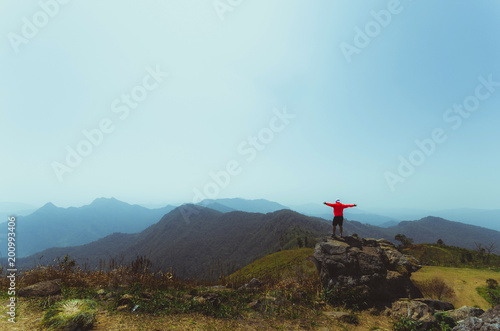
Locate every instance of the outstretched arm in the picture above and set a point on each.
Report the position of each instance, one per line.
(347, 206)
(328, 204)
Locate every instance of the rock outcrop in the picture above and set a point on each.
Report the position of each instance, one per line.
(41, 289)
(420, 310)
(416, 310)
(428, 313)
(488, 321)
(373, 268)
(465, 312)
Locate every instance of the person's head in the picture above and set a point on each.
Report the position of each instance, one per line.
(337, 201)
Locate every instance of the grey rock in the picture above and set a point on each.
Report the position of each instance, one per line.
(437, 304)
(41, 289)
(374, 267)
(336, 314)
(420, 310)
(489, 321)
(416, 310)
(465, 312)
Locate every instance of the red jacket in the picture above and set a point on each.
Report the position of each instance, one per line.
(338, 208)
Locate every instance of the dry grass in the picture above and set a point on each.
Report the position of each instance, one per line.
(29, 319)
(288, 301)
(464, 282)
(108, 275)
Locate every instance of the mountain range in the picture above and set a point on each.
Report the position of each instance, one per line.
(51, 226)
(487, 218)
(211, 241)
(251, 206)
(8, 209)
(69, 228)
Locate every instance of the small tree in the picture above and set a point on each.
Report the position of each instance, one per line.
(300, 243)
(492, 283)
(405, 241)
(67, 263)
(480, 251)
(440, 242)
(490, 248)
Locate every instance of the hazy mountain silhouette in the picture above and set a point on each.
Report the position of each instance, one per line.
(52, 226)
(430, 229)
(251, 206)
(488, 218)
(210, 241)
(192, 248)
(216, 206)
(8, 209)
(360, 215)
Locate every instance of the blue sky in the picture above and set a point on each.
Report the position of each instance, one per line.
(291, 101)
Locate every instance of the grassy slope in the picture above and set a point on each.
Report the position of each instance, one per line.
(463, 270)
(451, 256)
(276, 266)
(463, 280)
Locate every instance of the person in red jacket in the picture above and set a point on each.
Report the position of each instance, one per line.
(338, 215)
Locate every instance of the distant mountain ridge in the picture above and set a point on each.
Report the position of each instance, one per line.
(51, 226)
(210, 242)
(192, 248)
(251, 206)
(428, 230)
(487, 218)
(8, 209)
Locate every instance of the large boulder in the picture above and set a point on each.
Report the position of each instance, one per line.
(465, 312)
(416, 310)
(421, 310)
(374, 268)
(437, 304)
(41, 289)
(488, 321)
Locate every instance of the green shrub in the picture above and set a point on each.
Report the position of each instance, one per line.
(492, 283)
(445, 322)
(349, 298)
(70, 315)
(404, 323)
(490, 292)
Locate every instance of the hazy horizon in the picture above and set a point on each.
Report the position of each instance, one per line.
(172, 102)
(19, 205)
